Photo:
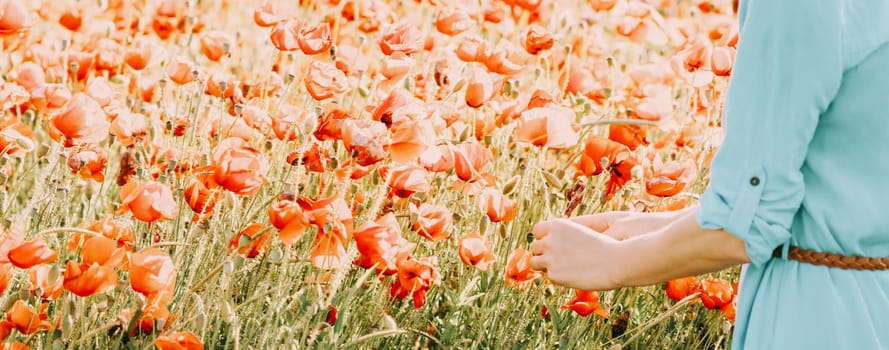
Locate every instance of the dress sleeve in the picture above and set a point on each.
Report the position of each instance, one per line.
(788, 69)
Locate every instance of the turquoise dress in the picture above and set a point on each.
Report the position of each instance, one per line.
(805, 161)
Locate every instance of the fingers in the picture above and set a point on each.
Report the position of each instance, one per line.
(539, 247)
(539, 263)
(599, 222)
(542, 229)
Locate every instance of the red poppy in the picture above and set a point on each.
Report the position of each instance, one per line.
(434, 222)
(470, 159)
(148, 201)
(179, 341)
(31, 253)
(201, 193)
(716, 293)
(453, 20)
(670, 178)
(26, 320)
(680, 288)
(151, 272)
(323, 80)
(365, 139)
(476, 251)
(284, 35)
(215, 44)
(89, 163)
(249, 242)
(416, 277)
(518, 268)
(537, 39)
(45, 283)
(381, 244)
(482, 86)
(89, 279)
(82, 120)
(407, 179)
(630, 135)
(550, 126)
(401, 37)
(239, 168)
(314, 39)
(496, 205)
(586, 303)
(15, 17)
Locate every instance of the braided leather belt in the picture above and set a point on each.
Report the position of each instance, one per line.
(833, 260)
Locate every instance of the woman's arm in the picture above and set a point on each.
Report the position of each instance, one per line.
(622, 225)
(682, 248)
(576, 256)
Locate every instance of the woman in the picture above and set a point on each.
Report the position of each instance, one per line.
(804, 164)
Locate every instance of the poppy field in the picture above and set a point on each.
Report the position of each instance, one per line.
(339, 174)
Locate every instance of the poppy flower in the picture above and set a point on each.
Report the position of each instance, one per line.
(630, 135)
(151, 272)
(475, 250)
(481, 87)
(396, 107)
(716, 293)
(249, 242)
(179, 341)
(45, 283)
(102, 250)
(201, 193)
(290, 122)
(118, 230)
(89, 279)
(49, 98)
(586, 303)
(643, 23)
(603, 5)
(284, 35)
(221, 84)
(396, 66)
(453, 20)
(26, 319)
(12, 96)
(600, 153)
(267, 14)
(416, 277)
(381, 244)
(129, 128)
(323, 80)
(434, 222)
(257, 118)
(329, 249)
(180, 70)
(365, 139)
(470, 159)
(518, 268)
(722, 61)
(10, 238)
(148, 201)
(31, 253)
(537, 39)
(30, 75)
(438, 159)
(239, 168)
(670, 178)
(15, 17)
(730, 310)
(72, 18)
(472, 49)
(7, 273)
(81, 120)
(215, 44)
(89, 163)
(289, 218)
(680, 288)
(496, 205)
(550, 126)
(138, 55)
(108, 55)
(407, 179)
(504, 59)
(314, 39)
(16, 137)
(401, 37)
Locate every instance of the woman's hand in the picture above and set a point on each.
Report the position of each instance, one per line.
(622, 225)
(573, 255)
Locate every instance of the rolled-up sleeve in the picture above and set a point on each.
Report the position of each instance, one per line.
(787, 71)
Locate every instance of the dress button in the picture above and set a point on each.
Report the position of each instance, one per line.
(754, 181)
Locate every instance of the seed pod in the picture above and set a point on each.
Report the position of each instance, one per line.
(511, 185)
